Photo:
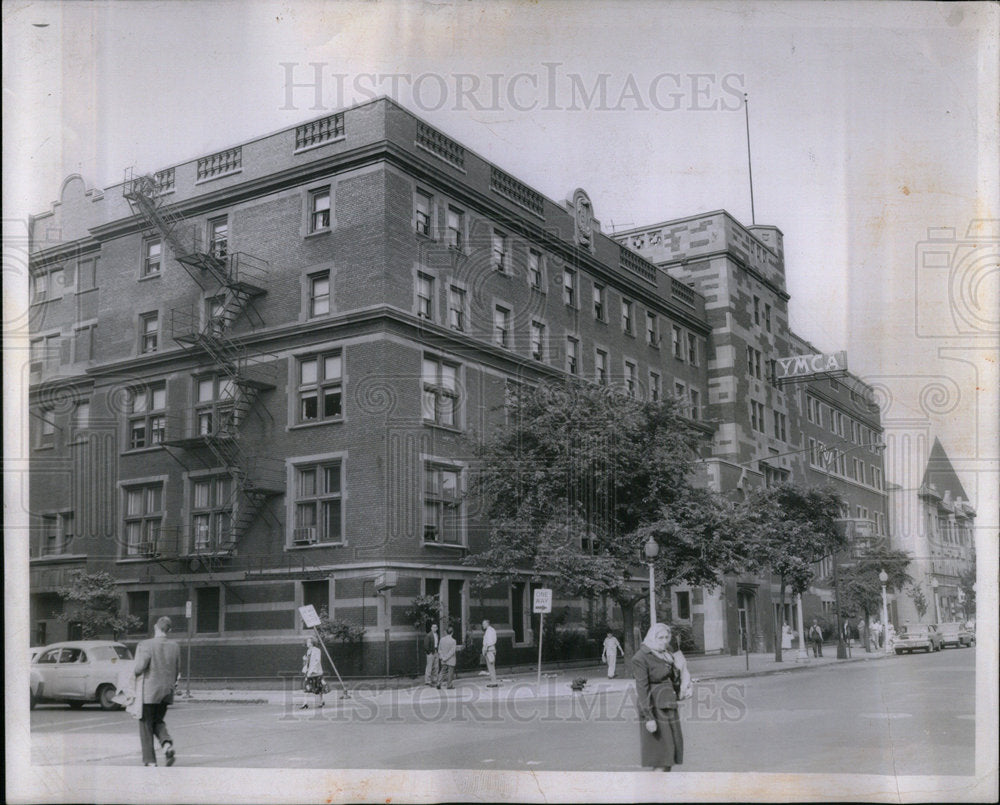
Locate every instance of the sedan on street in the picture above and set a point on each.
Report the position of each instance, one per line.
(922, 637)
(78, 672)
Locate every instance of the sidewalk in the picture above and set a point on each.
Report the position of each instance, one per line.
(520, 682)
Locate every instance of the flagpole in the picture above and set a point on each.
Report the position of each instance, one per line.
(746, 114)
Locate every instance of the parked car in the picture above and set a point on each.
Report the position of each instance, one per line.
(36, 678)
(955, 634)
(922, 636)
(78, 672)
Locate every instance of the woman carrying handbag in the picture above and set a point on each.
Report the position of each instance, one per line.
(312, 667)
(661, 680)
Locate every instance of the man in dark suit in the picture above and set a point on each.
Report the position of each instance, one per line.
(158, 662)
(432, 670)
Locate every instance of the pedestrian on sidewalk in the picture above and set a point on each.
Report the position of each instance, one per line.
(447, 654)
(490, 653)
(816, 638)
(612, 648)
(158, 663)
(312, 667)
(432, 669)
(661, 679)
(786, 637)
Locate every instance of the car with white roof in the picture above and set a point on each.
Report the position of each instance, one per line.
(78, 672)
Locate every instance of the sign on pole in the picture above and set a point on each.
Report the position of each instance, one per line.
(542, 603)
(187, 610)
(309, 617)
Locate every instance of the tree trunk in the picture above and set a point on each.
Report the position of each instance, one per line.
(868, 633)
(779, 632)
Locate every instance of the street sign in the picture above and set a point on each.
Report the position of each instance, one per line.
(543, 601)
(187, 610)
(309, 616)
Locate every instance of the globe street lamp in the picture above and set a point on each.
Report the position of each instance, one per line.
(652, 550)
(934, 592)
(884, 578)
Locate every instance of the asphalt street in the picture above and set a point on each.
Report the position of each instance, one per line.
(910, 715)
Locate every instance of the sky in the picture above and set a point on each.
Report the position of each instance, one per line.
(873, 138)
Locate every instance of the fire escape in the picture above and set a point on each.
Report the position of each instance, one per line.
(227, 392)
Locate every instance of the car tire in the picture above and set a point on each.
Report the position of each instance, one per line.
(75, 705)
(34, 701)
(899, 651)
(105, 697)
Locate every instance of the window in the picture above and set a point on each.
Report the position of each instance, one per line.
(599, 302)
(858, 468)
(442, 505)
(501, 326)
(152, 257)
(319, 294)
(572, 357)
(318, 503)
(676, 342)
(756, 310)
(456, 308)
(44, 353)
(812, 410)
(422, 206)
(81, 416)
(208, 609)
(84, 342)
(143, 518)
(212, 513)
(47, 284)
(692, 344)
(601, 366)
(149, 332)
(774, 476)
(456, 226)
(317, 594)
(754, 362)
(535, 269)
(57, 533)
(630, 379)
(46, 428)
(680, 392)
(214, 406)
(780, 426)
(695, 404)
(218, 237)
(569, 287)
(501, 256)
(319, 388)
(319, 210)
(815, 453)
(655, 387)
(138, 607)
(683, 605)
(425, 297)
(537, 341)
(767, 317)
(877, 478)
(756, 416)
(87, 274)
(652, 338)
(215, 315)
(146, 415)
(772, 372)
(627, 316)
(440, 392)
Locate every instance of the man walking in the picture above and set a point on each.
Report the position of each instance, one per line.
(612, 648)
(447, 655)
(490, 652)
(816, 638)
(431, 650)
(158, 663)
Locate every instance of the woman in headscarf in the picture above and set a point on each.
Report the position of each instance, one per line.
(661, 679)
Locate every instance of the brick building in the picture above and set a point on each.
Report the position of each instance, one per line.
(257, 379)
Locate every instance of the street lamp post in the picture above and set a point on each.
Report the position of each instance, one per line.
(934, 592)
(652, 550)
(884, 578)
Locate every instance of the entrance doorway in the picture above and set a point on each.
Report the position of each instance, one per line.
(747, 621)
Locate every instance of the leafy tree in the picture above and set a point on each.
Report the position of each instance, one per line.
(92, 599)
(577, 481)
(425, 610)
(919, 600)
(790, 528)
(860, 588)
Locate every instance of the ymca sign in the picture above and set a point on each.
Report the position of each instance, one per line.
(801, 366)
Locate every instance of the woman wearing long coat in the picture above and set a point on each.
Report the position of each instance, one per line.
(661, 679)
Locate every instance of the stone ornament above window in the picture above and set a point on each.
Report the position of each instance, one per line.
(583, 217)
